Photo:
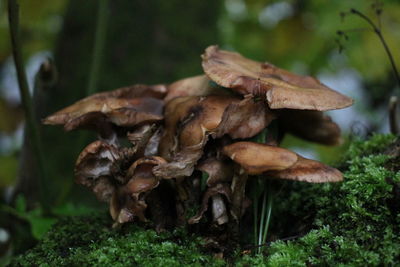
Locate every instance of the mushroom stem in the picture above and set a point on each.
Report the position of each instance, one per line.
(181, 202)
(219, 210)
(238, 190)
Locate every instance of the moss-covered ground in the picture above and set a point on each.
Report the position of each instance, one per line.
(353, 223)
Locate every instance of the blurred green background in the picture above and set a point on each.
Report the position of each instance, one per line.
(158, 41)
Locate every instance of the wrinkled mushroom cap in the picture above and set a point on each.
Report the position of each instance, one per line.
(186, 132)
(219, 171)
(308, 170)
(257, 158)
(119, 111)
(187, 119)
(95, 166)
(141, 175)
(281, 88)
(244, 119)
(203, 117)
(128, 201)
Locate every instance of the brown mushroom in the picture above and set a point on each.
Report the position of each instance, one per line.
(218, 171)
(89, 113)
(140, 138)
(175, 112)
(128, 202)
(274, 162)
(280, 163)
(280, 88)
(124, 107)
(187, 132)
(254, 158)
(96, 167)
(218, 206)
(244, 119)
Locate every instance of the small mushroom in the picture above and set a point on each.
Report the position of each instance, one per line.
(253, 159)
(218, 171)
(96, 167)
(141, 176)
(128, 202)
(274, 162)
(220, 174)
(280, 88)
(219, 209)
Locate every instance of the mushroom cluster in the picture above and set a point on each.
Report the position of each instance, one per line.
(191, 144)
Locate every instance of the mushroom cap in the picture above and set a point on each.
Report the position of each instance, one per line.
(141, 177)
(281, 88)
(310, 125)
(218, 170)
(244, 119)
(175, 111)
(125, 208)
(203, 117)
(128, 201)
(93, 112)
(187, 119)
(186, 132)
(308, 170)
(95, 166)
(257, 158)
(193, 86)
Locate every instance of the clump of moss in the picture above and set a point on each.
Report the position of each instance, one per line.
(353, 223)
(89, 241)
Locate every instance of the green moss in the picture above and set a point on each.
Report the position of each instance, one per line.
(89, 241)
(353, 223)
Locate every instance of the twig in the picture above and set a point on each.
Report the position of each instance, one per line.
(26, 99)
(98, 46)
(378, 32)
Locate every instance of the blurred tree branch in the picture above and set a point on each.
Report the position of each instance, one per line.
(26, 99)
